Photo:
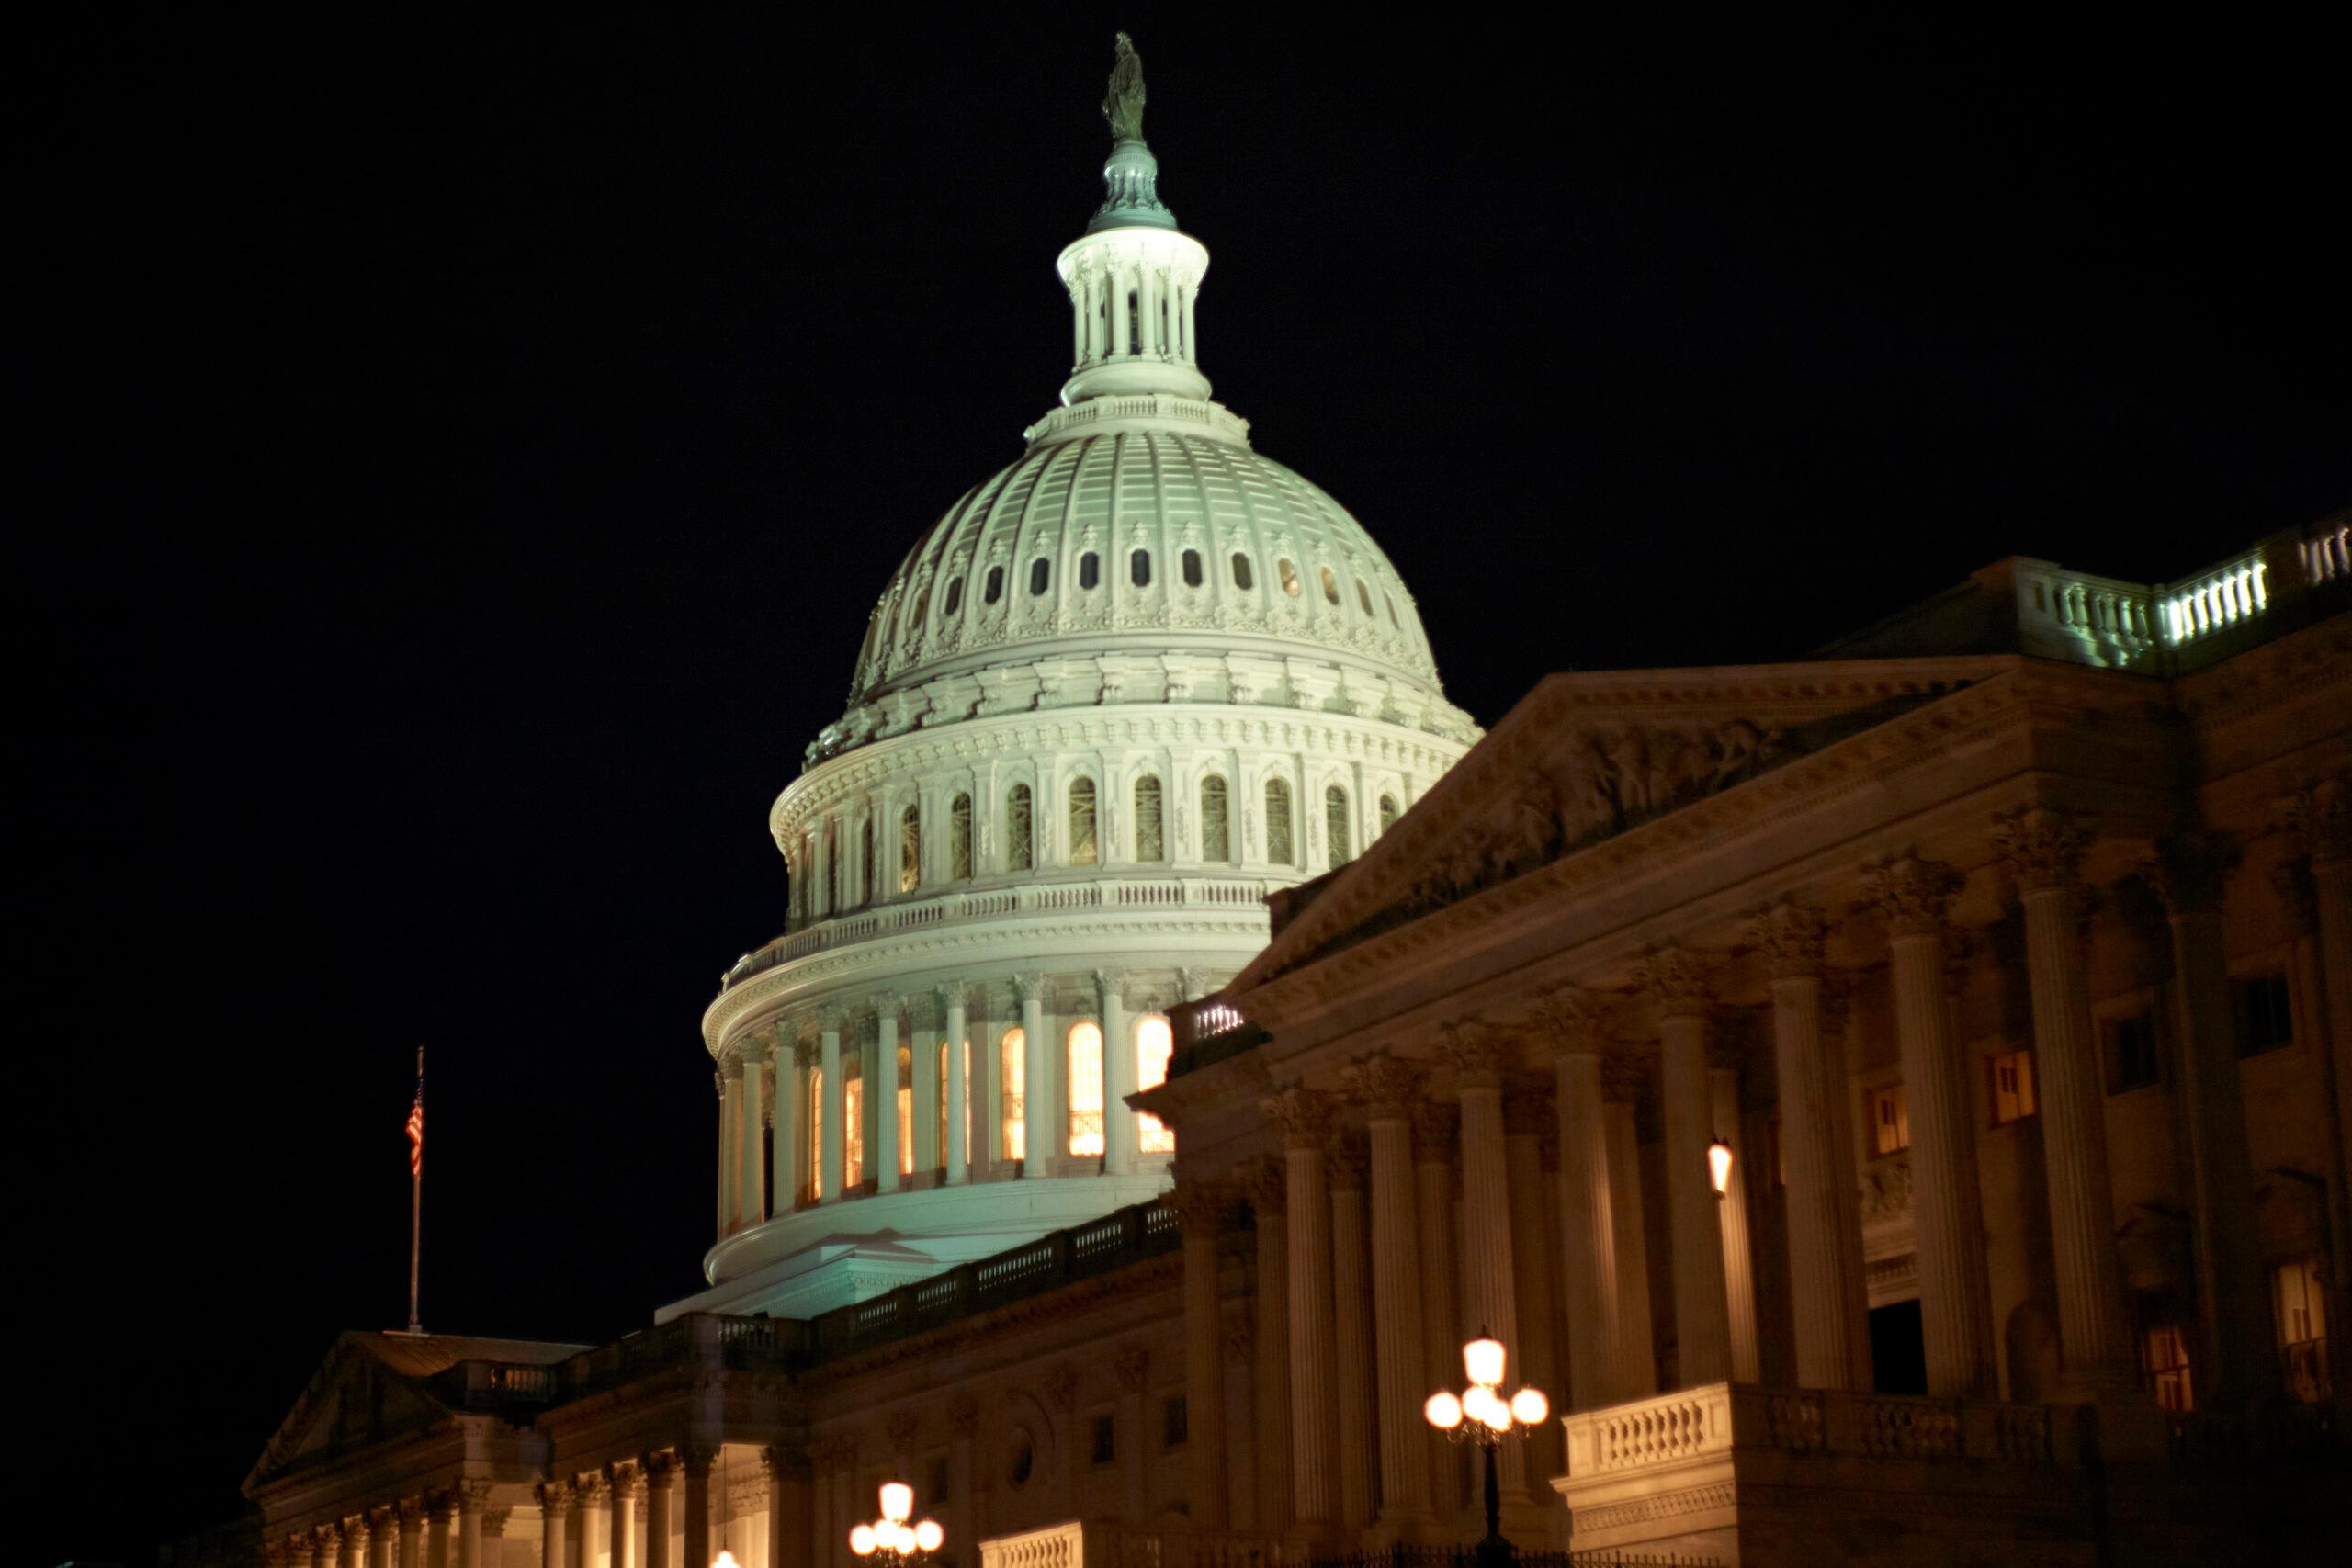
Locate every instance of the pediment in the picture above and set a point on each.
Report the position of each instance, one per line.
(1583, 759)
(354, 1401)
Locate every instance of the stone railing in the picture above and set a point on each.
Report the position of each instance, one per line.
(1228, 891)
(1097, 1545)
(1670, 1428)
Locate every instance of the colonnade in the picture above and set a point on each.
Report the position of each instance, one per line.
(1132, 307)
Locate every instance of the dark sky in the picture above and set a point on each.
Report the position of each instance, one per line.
(455, 467)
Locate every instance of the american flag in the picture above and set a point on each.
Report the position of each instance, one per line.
(416, 1122)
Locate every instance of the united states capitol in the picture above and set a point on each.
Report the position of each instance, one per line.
(1893, 1104)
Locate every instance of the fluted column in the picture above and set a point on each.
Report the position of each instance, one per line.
(1042, 1137)
(1305, 1119)
(326, 1547)
(959, 1094)
(440, 1530)
(555, 1513)
(884, 1091)
(1827, 1286)
(2238, 1343)
(1623, 1079)
(1200, 1210)
(623, 1479)
(1389, 1087)
(383, 1537)
(751, 1138)
(1955, 1310)
(1437, 1133)
(1351, 1332)
(1528, 1121)
(788, 1159)
(926, 1156)
(1120, 1134)
(731, 1134)
(695, 1460)
(408, 1522)
(2319, 887)
(1681, 980)
(832, 1152)
(593, 1498)
(1268, 1184)
(358, 1542)
(788, 1476)
(1739, 1267)
(2045, 852)
(1578, 1027)
(1490, 1287)
(661, 1476)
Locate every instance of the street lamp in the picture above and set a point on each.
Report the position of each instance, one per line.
(890, 1540)
(1719, 1165)
(1480, 1415)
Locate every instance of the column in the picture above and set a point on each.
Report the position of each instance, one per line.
(2045, 853)
(848, 1509)
(787, 1470)
(1389, 1087)
(1947, 1208)
(833, 1152)
(1739, 1267)
(882, 1092)
(326, 1547)
(964, 1513)
(442, 1506)
(1268, 1184)
(2239, 1347)
(1192, 345)
(1623, 1082)
(751, 1138)
(1588, 1246)
(2318, 890)
(1437, 1130)
(383, 1536)
(1119, 1131)
(1534, 1236)
(1133, 1368)
(789, 1157)
(1200, 1214)
(1490, 1288)
(1120, 342)
(923, 1063)
(1828, 1292)
(555, 1508)
(695, 1460)
(409, 1520)
(1042, 1136)
(622, 1477)
(1305, 1119)
(358, 1542)
(959, 1094)
(731, 1131)
(473, 1497)
(659, 1477)
(1351, 1332)
(1681, 980)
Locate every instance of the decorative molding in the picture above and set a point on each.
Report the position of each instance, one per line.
(1911, 895)
(1792, 938)
(1304, 1114)
(2043, 848)
(1681, 980)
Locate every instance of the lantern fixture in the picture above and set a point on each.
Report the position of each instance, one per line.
(890, 1540)
(1480, 1415)
(1719, 1167)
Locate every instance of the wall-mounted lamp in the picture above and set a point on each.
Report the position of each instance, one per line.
(1719, 1165)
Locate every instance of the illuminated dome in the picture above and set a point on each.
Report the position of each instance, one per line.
(1118, 695)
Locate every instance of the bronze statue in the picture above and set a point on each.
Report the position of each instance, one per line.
(1123, 106)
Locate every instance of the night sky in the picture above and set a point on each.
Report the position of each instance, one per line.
(453, 469)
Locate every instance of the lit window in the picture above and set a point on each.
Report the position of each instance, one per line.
(1151, 838)
(940, 1056)
(1013, 1067)
(2130, 1046)
(954, 597)
(1140, 568)
(1082, 822)
(1019, 851)
(2163, 1357)
(1243, 577)
(1289, 575)
(1330, 585)
(1363, 597)
(2265, 1018)
(1278, 821)
(1154, 1044)
(1335, 826)
(1041, 573)
(1191, 562)
(959, 839)
(1887, 1112)
(2012, 1087)
(910, 849)
(852, 1129)
(1090, 570)
(905, 1098)
(2300, 1297)
(996, 586)
(815, 1133)
(1216, 833)
(1085, 1089)
(1389, 813)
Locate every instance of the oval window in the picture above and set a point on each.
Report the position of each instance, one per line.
(954, 597)
(1192, 564)
(1243, 577)
(1041, 572)
(1140, 568)
(996, 586)
(1090, 570)
(1289, 575)
(1330, 585)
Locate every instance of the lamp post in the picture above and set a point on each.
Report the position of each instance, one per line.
(890, 1541)
(1480, 1415)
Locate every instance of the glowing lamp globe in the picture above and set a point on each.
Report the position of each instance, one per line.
(1443, 1411)
(1719, 1167)
(1528, 1406)
(1483, 1359)
(928, 1535)
(898, 1500)
(861, 1541)
(725, 1558)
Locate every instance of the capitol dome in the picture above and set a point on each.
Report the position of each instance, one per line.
(1118, 695)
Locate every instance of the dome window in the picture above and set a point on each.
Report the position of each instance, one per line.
(996, 586)
(1277, 825)
(1140, 568)
(1391, 598)
(1020, 851)
(954, 597)
(1191, 560)
(1330, 585)
(1151, 833)
(1243, 577)
(1289, 575)
(1041, 574)
(959, 839)
(1086, 1088)
(910, 849)
(1082, 822)
(1363, 597)
(923, 608)
(1216, 827)
(1012, 1065)
(1336, 825)
(1090, 572)
(1155, 1043)
(1387, 812)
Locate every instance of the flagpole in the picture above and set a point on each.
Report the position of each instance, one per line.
(416, 1195)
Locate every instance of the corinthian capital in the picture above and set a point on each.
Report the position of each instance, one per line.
(1388, 1085)
(1266, 1188)
(2321, 819)
(2043, 849)
(1029, 984)
(1912, 895)
(2192, 870)
(1199, 1205)
(1302, 1114)
(1577, 1021)
(1681, 979)
(1478, 1052)
(1790, 936)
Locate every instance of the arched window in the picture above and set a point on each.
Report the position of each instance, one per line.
(1191, 562)
(1389, 812)
(995, 590)
(1012, 1069)
(1335, 826)
(1243, 577)
(853, 1121)
(1330, 585)
(1288, 574)
(1151, 838)
(1363, 597)
(910, 849)
(903, 1076)
(1278, 834)
(954, 597)
(832, 865)
(1041, 574)
(1217, 829)
(1085, 1087)
(959, 839)
(1019, 845)
(923, 608)
(1082, 822)
(868, 886)
(1090, 570)
(1154, 1044)
(1139, 568)
(815, 1133)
